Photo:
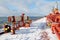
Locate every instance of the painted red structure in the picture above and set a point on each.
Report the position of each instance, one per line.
(54, 19)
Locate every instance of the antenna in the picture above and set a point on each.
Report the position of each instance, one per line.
(56, 4)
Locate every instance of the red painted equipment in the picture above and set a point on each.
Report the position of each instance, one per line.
(54, 19)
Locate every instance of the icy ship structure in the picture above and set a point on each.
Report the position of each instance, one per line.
(18, 20)
(53, 20)
(15, 22)
(35, 33)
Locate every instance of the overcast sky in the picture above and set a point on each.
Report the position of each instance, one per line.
(29, 7)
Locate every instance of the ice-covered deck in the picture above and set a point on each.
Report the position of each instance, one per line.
(32, 33)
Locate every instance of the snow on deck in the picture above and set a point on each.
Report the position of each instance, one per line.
(32, 33)
(40, 20)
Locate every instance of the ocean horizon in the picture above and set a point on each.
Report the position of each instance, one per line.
(5, 20)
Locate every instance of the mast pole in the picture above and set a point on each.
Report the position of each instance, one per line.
(56, 4)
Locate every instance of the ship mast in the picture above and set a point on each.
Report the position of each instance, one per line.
(56, 4)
